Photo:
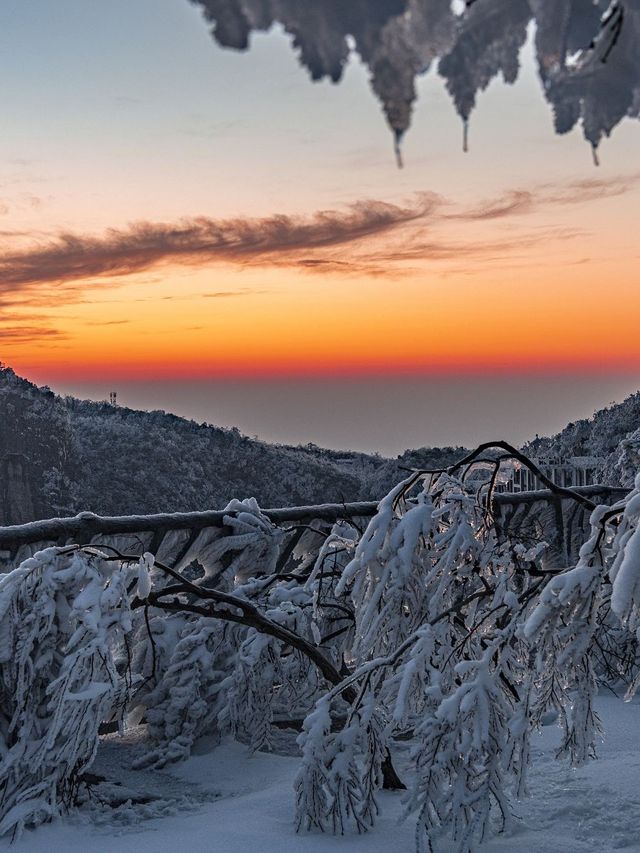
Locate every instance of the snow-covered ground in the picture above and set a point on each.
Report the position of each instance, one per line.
(230, 802)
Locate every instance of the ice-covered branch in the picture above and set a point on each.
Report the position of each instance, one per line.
(587, 51)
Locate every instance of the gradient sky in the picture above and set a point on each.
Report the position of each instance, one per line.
(130, 139)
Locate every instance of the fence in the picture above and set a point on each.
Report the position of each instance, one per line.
(178, 539)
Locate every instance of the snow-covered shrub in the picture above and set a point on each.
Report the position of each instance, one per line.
(597, 600)
(428, 582)
(202, 675)
(268, 682)
(341, 771)
(187, 699)
(63, 614)
(249, 548)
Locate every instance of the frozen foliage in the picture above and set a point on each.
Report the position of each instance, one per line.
(186, 701)
(194, 667)
(625, 571)
(63, 613)
(471, 645)
(340, 772)
(425, 626)
(587, 50)
(622, 464)
(425, 577)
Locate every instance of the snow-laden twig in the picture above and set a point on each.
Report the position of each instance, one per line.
(63, 614)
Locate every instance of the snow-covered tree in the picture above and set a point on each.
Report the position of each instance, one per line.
(473, 663)
(64, 615)
(427, 626)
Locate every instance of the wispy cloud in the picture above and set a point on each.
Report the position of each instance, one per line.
(511, 203)
(28, 334)
(107, 322)
(232, 294)
(73, 257)
(522, 201)
(590, 189)
(366, 238)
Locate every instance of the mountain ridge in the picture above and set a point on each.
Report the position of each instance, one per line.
(61, 455)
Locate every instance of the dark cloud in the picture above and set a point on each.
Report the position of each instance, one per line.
(312, 263)
(74, 257)
(28, 334)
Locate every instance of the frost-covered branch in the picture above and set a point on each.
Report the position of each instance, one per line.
(426, 625)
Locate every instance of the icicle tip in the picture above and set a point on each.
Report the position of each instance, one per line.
(397, 147)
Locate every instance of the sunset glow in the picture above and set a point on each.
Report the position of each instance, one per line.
(156, 228)
(526, 311)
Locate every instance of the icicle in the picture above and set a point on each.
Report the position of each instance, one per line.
(594, 151)
(398, 134)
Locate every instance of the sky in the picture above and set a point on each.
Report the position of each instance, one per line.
(209, 233)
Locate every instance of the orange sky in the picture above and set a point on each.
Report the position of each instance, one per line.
(518, 292)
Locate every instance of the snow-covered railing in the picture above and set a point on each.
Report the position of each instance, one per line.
(560, 521)
(177, 538)
(596, 491)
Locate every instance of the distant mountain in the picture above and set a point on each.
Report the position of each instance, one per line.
(59, 456)
(39, 468)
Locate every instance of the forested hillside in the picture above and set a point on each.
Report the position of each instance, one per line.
(597, 436)
(59, 456)
(62, 455)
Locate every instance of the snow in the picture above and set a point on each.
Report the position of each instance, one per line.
(89, 524)
(626, 586)
(229, 801)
